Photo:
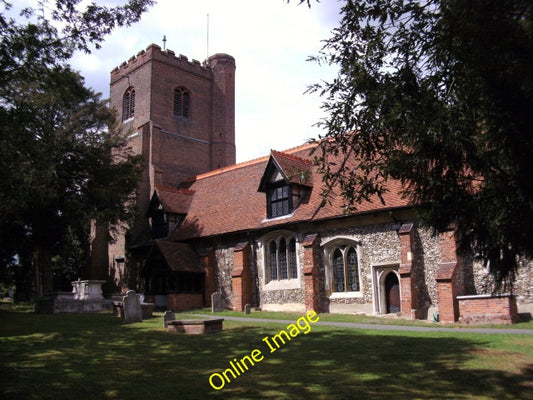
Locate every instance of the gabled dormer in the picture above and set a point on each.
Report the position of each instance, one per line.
(167, 209)
(286, 182)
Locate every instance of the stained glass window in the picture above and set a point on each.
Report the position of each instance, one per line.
(353, 271)
(338, 271)
(345, 270)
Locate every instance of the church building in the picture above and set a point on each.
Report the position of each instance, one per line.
(259, 232)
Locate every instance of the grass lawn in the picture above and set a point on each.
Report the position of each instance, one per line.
(97, 356)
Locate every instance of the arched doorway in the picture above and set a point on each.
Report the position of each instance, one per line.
(392, 293)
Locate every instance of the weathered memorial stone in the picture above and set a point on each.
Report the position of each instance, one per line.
(132, 307)
(217, 302)
(168, 316)
(247, 309)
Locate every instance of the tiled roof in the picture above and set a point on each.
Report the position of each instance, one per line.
(227, 200)
(179, 256)
(296, 169)
(174, 200)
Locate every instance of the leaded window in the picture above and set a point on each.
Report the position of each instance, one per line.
(338, 270)
(282, 259)
(345, 270)
(279, 201)
(128, 104)
(182, 103)
(352, 271)
(292, 259)
(273, 260)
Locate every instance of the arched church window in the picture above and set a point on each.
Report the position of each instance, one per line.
(338, 270)
(345, 269)
(128, 110)
(352, 270)
(182, 103)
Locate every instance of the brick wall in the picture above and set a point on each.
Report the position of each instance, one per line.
(208, 262)
(408, 294)
(488, 309)
(184, 301)
(241, 276)
(175, 148)
(310, 271)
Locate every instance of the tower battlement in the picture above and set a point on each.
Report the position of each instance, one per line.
(154, 53)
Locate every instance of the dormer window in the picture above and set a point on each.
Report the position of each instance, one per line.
(286, 181)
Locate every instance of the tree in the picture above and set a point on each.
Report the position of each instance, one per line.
(63, 161)
(439, 95)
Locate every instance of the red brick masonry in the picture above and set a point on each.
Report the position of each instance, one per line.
(184, 301)
(487, 309)
(195, 326)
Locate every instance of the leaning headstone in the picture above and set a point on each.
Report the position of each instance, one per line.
(247, 309)
(168, 316)
(132, 307)
(217, 303)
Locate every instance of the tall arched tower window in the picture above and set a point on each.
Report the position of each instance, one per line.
(182, 103)
(128, 104)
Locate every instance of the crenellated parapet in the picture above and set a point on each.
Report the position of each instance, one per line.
(154, 53)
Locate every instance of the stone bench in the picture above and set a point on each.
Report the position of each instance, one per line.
(195, 326)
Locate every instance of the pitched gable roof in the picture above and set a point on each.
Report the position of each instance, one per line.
(227, 200)
(174, 200)
(293, 169)
(179, 257)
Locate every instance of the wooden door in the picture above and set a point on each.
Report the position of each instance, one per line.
(392, 293)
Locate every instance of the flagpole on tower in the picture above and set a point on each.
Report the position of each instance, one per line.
(207, 39)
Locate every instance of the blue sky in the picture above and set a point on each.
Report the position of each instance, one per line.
(270, 40)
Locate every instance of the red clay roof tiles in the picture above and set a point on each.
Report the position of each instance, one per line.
(227, 200)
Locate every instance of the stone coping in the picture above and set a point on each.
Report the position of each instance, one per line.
(195, 321)
(121, 304)
(484, 296)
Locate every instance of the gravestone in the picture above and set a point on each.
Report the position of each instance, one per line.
(217, 302)
(132, 307)
(247, 309)
(168, 316)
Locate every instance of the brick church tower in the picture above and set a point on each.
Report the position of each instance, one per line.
(180, 115)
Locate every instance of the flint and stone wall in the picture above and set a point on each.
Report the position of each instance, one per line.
(378, 247)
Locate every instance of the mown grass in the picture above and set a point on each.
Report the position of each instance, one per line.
(356, 318)
(98, 356)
